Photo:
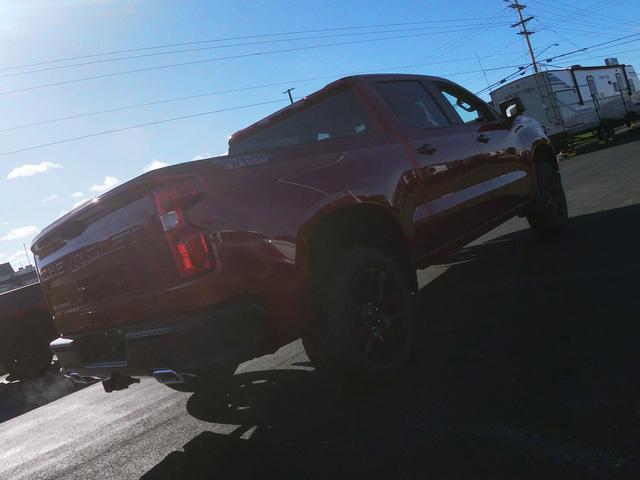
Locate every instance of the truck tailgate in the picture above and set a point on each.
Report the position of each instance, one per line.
(108, 253)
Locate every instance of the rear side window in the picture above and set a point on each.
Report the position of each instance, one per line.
(413, 104)
(337, 116)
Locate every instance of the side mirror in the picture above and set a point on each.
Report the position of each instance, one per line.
(512, 108)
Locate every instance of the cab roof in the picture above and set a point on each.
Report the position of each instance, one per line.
(319, 94)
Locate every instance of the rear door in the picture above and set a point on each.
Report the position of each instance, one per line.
(498, 180)
(445, 156)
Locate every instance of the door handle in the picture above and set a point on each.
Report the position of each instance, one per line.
(483, 138)
(426, 149)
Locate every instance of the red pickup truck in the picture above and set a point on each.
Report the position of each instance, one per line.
(312, 226)
(26, 329)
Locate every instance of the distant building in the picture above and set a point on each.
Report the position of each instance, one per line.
(10, 279)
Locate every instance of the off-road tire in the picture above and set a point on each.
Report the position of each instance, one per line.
(27, 355)
(360, 337)
(548, 215)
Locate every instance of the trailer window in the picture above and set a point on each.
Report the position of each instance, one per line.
(592, 86)
(632, 86)
(337, 116)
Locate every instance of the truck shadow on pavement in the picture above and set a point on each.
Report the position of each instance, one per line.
(527, 369)
(20, 396)
(592, 145)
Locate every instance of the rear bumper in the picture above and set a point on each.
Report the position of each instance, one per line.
(188, 345)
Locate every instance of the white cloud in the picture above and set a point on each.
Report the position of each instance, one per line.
(154, 166)
(55, 196)
(109, 182)
(20, 232)
(77, 194)
(4, 223)
(32, 169)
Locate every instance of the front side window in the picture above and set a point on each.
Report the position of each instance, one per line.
(468, 108)
(412, 104)
(337, 116)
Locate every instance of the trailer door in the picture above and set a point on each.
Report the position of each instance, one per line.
(568, 103)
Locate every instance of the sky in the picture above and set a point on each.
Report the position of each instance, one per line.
(63, 42)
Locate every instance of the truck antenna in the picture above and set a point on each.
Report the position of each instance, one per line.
(26, 253)
(484, 72)
(524, 32)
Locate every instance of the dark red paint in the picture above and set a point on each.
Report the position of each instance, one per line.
(109, 263)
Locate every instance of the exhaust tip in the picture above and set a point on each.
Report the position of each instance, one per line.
(167, 376)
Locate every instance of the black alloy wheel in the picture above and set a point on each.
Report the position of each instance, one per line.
(549, 215)
(363, 330)
(378, 315)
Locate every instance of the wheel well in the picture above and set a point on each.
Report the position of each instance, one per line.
(353, 226)
(545, 153)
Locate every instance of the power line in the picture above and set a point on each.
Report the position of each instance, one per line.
(450, 44)
(207, 60)
(243, 37)
(521, 70)
(215, 47)
(590, 47)
(183, 117)
(596, 47)
(596, 7)
(570, 11)
(617, 52)
(232, 90)
(139, 125)
(559, 34)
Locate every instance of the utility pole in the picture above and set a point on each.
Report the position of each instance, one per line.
(289, 90)
(524, 32)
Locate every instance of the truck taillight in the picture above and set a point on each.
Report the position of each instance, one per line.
(188, 244)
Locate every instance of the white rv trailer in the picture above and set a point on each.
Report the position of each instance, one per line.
(576, 100)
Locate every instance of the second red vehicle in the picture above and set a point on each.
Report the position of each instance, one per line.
(312, 226)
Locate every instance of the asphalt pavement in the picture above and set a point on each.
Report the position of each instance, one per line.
(528, 369)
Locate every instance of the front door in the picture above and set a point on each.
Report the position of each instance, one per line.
(500, 178)
(445, 157)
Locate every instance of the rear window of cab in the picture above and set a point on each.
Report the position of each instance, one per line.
(338, 116)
